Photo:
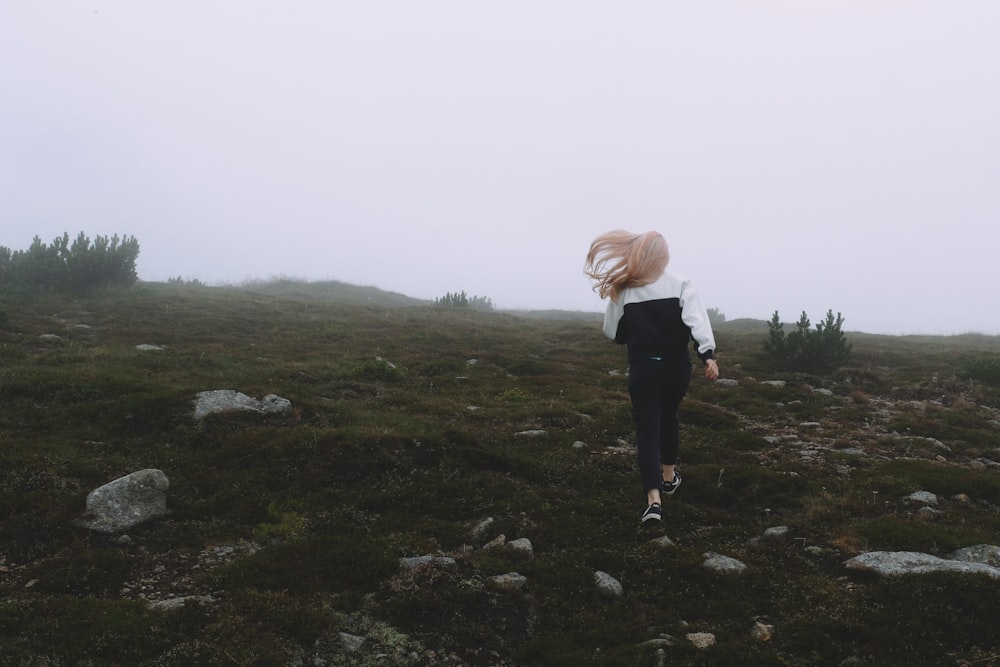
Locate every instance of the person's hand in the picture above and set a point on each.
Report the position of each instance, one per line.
(711, 370)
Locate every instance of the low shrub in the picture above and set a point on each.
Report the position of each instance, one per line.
(821, 350)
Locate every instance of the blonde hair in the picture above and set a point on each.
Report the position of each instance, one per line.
(619, 259)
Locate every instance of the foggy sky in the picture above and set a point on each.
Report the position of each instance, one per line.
(798, 156)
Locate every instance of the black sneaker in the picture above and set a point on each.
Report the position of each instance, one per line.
(652, 513)
(668, 488)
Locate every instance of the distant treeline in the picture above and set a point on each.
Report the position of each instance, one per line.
(80, 265)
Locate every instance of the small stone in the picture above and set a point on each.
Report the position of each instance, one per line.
(416, 561)
(351, 643)
(607, 584)
(510, 582)
(925, 497)
(173, 604)
(776, 531)
(662, 542)
(523, 547)
(480, 528)
(701, 640)
(720, 563)
(533, 433)
(762, 632)
(497, 541)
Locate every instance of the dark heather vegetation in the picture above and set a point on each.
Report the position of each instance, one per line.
(404, 437)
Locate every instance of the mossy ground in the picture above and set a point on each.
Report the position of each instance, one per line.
(404, 436)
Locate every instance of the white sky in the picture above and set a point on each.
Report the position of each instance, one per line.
(798, 155)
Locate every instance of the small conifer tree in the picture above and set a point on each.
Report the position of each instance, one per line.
(79, 265)
(462, 300)
(820, 350)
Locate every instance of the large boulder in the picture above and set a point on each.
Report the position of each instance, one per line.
(126, 502)
(898, 563)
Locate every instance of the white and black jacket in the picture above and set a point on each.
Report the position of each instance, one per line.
(660, 320)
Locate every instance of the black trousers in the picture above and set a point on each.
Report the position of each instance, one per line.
(657, 386)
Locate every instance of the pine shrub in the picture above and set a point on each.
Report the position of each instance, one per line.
(463, 300)
(820, 350)
(75, 266)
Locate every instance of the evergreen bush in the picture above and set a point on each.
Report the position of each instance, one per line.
(79, 265)
(462, 300)
(983, 368)
(820, 350)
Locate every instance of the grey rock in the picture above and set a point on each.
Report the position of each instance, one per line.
(662, 542)
(776, 531)
(274, 404)
(987, 554)
(925, 497)
(434, 561)
(607, 584)
(897, 563)
(148, 347)
(226, 400)
(725, 564)
(481, 528)
(498, 541)
(523, 547)
(510, 582)
(173, 604)
(534, 433)
(774, 383)
(126, 502)
(727, 382)
(701, 640)
(351, 643)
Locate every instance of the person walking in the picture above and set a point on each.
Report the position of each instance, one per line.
(656, 314)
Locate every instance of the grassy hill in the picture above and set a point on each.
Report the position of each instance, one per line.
(419, 430)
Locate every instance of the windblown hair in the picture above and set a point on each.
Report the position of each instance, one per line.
(619, 259)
